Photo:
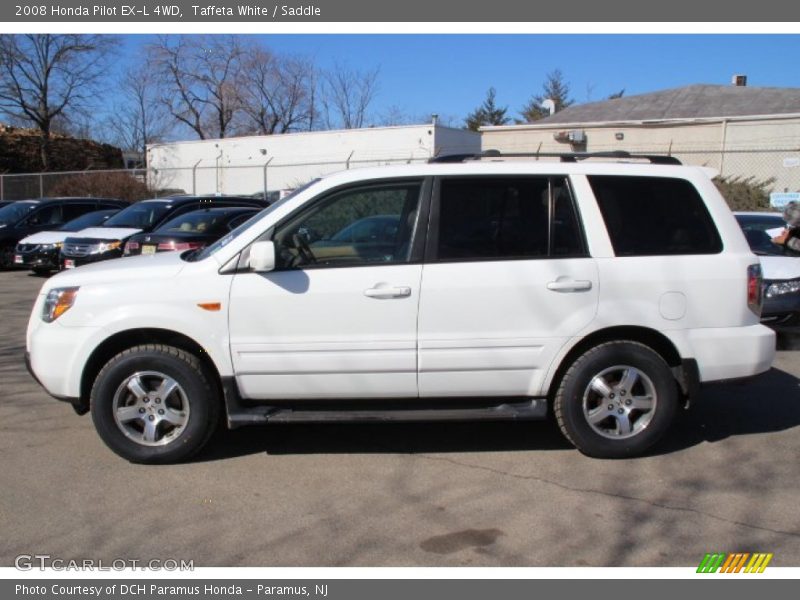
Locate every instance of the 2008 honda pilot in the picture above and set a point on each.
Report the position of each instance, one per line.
(606, 292)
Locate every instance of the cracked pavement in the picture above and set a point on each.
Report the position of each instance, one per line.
(727, 479)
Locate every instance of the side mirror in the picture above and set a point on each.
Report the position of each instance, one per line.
(262, 257)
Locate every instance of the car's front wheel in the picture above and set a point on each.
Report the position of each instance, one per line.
(616, 400)
(154, 404)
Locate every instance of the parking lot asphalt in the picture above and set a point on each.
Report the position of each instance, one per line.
(482, 494)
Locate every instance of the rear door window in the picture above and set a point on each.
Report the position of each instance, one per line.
(651, 216)
(566, 237)
(495, 218)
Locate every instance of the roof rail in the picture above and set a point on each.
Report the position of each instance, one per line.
(656, 159)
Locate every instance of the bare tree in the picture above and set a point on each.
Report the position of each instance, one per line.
(201, 80)
(139, 118)
(346, 95)
(278, 92)
(78, 125)
(396, 115)
(48, 78)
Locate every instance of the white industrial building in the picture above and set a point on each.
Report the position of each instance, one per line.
(247, 165)
(738, 130)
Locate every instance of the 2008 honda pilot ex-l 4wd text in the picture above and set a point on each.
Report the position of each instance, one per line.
(606, 292)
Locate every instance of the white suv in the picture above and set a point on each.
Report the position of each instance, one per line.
(606, 292)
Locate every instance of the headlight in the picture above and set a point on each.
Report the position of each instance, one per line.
(106, 246)
(55, 246)
(58, 301)
(781, 288)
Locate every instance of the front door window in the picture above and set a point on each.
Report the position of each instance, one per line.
(364, 226)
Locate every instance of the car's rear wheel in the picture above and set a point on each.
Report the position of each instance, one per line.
(616, 400)
(154, 404)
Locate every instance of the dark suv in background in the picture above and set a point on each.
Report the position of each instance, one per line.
(25, 217)
(108, 241)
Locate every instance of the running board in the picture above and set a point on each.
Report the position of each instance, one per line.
(532, 409)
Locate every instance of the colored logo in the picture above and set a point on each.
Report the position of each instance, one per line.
(737, 562)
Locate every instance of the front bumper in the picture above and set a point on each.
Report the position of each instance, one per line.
(80, 405)
(29, 369)
(39, 259)
(77, 261)
(782, 312)
(56, 355)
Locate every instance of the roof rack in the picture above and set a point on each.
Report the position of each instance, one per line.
(656, 159)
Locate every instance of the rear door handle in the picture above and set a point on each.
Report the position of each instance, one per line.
(385, 291)
(569, 285)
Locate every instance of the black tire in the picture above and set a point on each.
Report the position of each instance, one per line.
(41, 272)
(623, 425)
(195, 400)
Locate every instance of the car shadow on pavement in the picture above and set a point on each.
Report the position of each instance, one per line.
(767, 403)
(788, 341)
(385, 438)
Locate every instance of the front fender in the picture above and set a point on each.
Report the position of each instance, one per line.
(174, 305)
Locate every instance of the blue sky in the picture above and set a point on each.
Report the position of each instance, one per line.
(450, 73)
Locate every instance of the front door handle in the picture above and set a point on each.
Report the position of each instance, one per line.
(569, 285)
(383, 291)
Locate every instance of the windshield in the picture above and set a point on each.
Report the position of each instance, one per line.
(142, 215)
(222, 242)
(11, 213)
(757, 231)
(91, 219)
(202, 221)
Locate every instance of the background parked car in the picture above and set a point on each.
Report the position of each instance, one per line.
(41, 251)
(108, 241)
(21, 219)
(781, 273)
(190, 231)
(272, 197)
(371, 238)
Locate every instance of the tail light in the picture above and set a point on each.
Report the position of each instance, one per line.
(755, 296)
(130, 247)
(170, 246)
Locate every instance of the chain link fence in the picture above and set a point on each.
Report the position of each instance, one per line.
(270, 177)
(23, 186)
(777, 168)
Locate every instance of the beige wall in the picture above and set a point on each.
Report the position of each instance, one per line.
(760, 148)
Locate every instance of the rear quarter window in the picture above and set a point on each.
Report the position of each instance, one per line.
(652, 216)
